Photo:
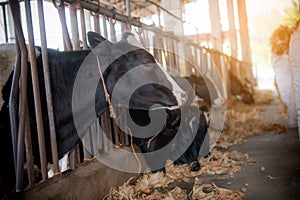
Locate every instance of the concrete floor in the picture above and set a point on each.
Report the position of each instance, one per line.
(276, 173)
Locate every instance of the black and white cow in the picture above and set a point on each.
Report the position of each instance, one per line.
(190, 123)
(64, 67)
(243, 92)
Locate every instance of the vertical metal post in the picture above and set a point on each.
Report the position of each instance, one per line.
(115, 126)
(29, 156)
(13, 105)
(244, 37)
(65, 32)
(106, 126)
(10, 23)
(159, 13)
(74, 26)
(48, 95)
(94, 138)
(36, 93)
(232, 31)
(128, 9)
(88, 146)
(83, 29)
(127, 25)
(195, 57)
(72, 159)
(99, 138)
(5, 23)
(21, 50)
(96, 23)
(34, 74)
(105, 27)
(112, 30)
(87, 16)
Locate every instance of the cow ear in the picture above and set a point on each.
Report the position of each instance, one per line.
(95, 39)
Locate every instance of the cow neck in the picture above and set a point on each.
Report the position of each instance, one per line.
(112, 113)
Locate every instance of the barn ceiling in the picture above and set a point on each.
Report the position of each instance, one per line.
(139, 8)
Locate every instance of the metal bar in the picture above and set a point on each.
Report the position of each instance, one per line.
(94, 144)
(126, 136)
(87, 17)
(232, 31)
(23, 92)
(112, 30)
(116, 133)
(96, 23)
(34, 74)
(48, 96)
(28, 150)
(77, 155)
(72, 159)
(171, 14)
(89, 5)
(87, 144)
(128, 9)
(65, 32)
(123, 27)
(11, 31)
(5, 23)
(83, 29)
(104, 132)
(99, 138)
(74, 26)
(106, 126)
(105, 27)
(13, 105)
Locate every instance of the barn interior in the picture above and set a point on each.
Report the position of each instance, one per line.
(251, 147)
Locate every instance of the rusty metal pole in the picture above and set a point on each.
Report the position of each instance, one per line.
(48, 96)
(105, 27)
(14, 4)
(74, 25)
(62, 17)
(34, 74)
(36, 92)
(96, 23)
(13, 104)
(244, 38)
(128, 13)
(112, 30)
(83, 29)
(29, 155)
(76, 46)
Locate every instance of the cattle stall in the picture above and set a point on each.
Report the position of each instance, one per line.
(85, 16)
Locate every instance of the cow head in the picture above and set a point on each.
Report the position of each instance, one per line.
(131, 71)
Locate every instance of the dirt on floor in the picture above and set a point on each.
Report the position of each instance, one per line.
(256, 158)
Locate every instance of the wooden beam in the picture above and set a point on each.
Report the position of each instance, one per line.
(244, 32)
(244, 36)
(215, 21)
(232, 29)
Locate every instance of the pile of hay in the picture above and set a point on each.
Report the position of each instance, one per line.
(247, 120)
(166, 186)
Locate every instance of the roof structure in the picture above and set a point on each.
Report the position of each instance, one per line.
(139, 8)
